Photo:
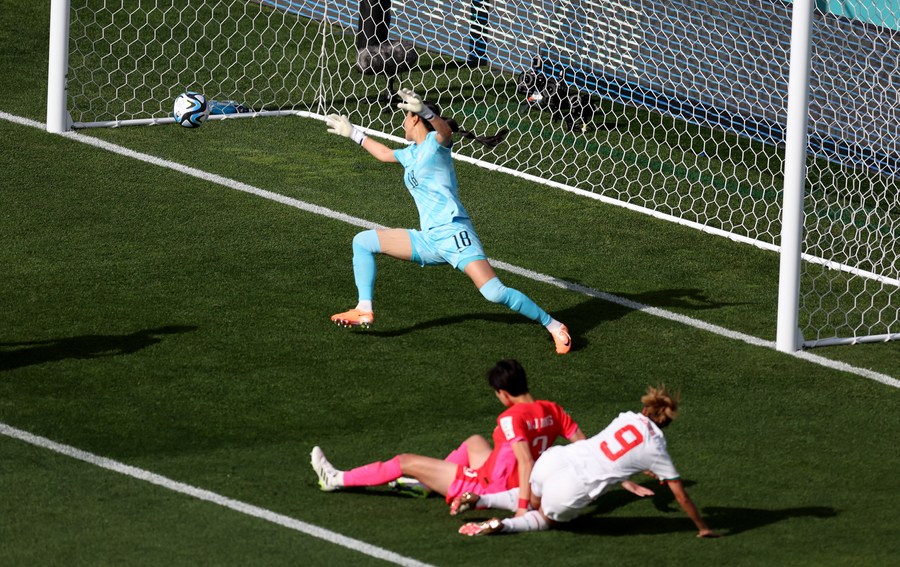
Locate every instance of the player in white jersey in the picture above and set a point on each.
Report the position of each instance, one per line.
(567, 478)
(446, 234)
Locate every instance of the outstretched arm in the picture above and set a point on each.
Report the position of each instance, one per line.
(381, 152)
(341, 126)
(413, 103)
(677, 488)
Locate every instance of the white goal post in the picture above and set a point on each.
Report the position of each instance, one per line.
(772, 123)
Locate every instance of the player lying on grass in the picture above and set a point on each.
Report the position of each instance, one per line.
(524, 430)
(566, 479)
(446, 234)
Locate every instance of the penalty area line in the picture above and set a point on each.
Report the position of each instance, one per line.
(536, 276)
(212, 497)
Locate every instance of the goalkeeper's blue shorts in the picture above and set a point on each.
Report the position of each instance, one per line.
(454, 243)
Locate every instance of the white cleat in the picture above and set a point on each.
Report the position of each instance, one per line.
(329, 477)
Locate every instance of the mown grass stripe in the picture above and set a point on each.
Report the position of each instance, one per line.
(212, 497)
(316, 209)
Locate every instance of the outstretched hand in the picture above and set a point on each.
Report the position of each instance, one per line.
(341, 126)
(413, 103)
(637, 489)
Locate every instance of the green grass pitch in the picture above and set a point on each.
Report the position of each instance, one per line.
(181, 327)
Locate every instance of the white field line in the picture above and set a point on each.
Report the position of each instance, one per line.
(310, 529)
(224, 181)
(697, 324)
(206, 495)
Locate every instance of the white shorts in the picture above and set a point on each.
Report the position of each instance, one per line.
(562, 490)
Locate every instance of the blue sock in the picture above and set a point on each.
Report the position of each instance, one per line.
(495, 292)
(365, 246)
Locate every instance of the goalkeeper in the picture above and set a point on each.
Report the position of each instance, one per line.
(446, 234)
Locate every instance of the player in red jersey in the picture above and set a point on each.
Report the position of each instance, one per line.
(525, 430)
(567, 479)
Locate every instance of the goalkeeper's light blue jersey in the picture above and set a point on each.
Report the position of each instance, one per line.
(431, 180)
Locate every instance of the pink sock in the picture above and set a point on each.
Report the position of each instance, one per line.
(373, 474)
(460, 456)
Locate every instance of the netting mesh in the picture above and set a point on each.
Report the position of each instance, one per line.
(676, 106)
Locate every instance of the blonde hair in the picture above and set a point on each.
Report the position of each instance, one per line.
(660, 405)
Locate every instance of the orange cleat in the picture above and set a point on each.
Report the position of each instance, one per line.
(354, 318)
(563, 340)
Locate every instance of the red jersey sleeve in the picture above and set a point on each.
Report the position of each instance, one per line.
(566, 423)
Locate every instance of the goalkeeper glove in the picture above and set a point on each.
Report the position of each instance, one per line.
(413, 103)
(341, 126)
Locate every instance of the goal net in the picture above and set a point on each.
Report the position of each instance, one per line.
(675, 108)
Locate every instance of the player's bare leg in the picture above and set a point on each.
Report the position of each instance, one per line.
(436, 474)
(395, 243)
(479, 450)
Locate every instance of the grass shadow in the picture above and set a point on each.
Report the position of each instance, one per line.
(728, 521)
(19, 354)
(722, 519)
(583, 317)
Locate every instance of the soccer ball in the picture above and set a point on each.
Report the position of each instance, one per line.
(191, 109)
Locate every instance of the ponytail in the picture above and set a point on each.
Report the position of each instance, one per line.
(489, 141)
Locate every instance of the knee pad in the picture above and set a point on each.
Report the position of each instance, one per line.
(494, 291)
(366, 241)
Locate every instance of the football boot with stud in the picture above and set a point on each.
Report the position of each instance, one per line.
(329, 477)
(463, 502)
(492, 526)
(563, 340)
(354, 318)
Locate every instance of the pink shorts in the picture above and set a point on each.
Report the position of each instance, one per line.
(483, 481)
(467, 480)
